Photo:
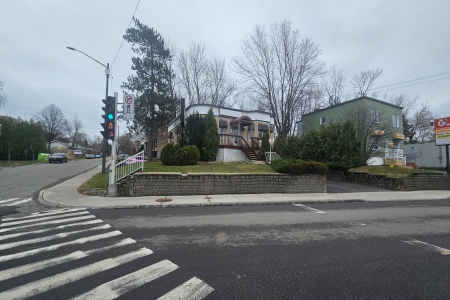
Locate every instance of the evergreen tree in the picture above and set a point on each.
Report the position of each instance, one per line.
(194, 132)
(155, 104)
(211, 138)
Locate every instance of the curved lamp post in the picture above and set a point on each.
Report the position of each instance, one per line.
(107, 73)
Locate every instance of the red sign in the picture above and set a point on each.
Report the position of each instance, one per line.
(442, 131)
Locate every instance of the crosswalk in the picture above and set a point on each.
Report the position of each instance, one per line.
(70, 254)
(14, 201)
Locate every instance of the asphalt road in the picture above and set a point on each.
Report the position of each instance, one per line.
(24, 183)
(383, 250)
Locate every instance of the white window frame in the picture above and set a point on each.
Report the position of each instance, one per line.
(322, 120)
(396, 121)
(374, 115)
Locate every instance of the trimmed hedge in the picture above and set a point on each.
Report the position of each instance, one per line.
(174, 155)
(298, 166)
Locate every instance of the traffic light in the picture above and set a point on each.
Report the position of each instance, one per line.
(109, 117)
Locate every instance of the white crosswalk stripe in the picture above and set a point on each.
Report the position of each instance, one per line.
(54, 256)
(13, 201)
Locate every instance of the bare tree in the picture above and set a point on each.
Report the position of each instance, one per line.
(193, 69)
(220, 87)
(333, 83)
(73, 129)
(420, 130)
(3, 97)
(364, 81)
(52, 121)
(279, 66)
(407, 103)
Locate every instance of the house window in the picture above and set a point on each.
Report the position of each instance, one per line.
(396, 121)
(374, 115)
(374, 142)
(322, 120)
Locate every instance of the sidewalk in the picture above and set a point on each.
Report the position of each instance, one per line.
(66, 195)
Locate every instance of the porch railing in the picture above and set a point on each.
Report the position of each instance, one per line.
(129, 166)
(396, 155)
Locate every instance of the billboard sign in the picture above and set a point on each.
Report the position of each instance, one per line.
(442, 131)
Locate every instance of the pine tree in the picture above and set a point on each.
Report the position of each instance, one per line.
(155, 105)
(211, 138)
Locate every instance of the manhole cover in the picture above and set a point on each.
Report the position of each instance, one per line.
(163, 200)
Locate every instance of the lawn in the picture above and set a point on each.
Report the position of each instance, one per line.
(157, 166)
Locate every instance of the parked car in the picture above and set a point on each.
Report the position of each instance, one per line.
(122, 157)
(89, 156)
(98, 155)
(57, 157)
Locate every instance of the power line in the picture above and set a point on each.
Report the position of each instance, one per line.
(415, 79)
(397, 87)
(123, 39)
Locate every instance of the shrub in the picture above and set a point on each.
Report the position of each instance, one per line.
(187, 155)
(174, 155)
(168, 154)
(298, 166)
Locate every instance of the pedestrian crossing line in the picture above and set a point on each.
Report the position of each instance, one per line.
(32, 267)
(50, 237)
(51, 282)
(46, 213)
(57, 246)
(8, 200)
(15, 235)
(122, 285)
(310, 209)
(59, 221)
(18, 202)
(192, 289)
(10, 223)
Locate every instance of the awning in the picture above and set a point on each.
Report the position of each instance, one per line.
(244, 121)
(223, 123)
(263, 127)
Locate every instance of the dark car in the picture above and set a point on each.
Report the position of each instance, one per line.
(57, 157)
(122, 157)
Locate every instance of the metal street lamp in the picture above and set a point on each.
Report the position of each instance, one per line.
(107, 73)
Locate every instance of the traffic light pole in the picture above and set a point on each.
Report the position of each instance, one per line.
(112, 189)
(107, 72)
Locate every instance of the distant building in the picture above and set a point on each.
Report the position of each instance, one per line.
(382, 122)
(240, 131)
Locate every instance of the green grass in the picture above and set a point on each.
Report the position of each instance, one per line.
(388, 171)
(157, 166)
(98, 181)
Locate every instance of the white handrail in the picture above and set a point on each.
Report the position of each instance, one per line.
(129, 166)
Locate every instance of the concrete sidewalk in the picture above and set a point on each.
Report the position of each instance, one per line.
(66, 195)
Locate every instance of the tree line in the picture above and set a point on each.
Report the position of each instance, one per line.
(278, 70)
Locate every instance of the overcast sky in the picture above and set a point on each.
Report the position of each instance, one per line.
(408, 39)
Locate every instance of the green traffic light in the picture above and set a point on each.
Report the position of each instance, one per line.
(110, 117)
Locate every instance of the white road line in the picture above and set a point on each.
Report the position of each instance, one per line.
(122, 285)
(59, 221)
(7, 200)
(19, 202)
(310, 209)
(57, 246)
(50, 237)
(42, 219)
(32, 267)
(45, 213)
(14, 235)
(191, 289)
(427, 246)
(46, 284)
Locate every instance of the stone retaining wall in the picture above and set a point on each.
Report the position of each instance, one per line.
(416, 182)
(170, 184)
